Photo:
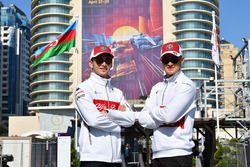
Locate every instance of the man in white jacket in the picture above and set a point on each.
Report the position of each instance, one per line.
(100, 136)
(169, 111)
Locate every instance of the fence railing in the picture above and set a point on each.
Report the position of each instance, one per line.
(27, 152)
(44, 154)
(236, 154)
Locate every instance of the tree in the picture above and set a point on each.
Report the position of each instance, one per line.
(219, 156)
(75, 161)
(226, 155)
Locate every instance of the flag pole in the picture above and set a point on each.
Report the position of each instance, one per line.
(217, 103)
(216, 58)
(76, 115)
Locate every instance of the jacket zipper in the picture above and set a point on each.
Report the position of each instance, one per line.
(90, 140)
(106, 87)
(164, 93)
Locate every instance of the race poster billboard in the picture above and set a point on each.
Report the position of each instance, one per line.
(134, 31)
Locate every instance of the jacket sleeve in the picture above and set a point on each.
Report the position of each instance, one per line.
(89, 113)
(144, 118)
(178, 107)
(123, 118)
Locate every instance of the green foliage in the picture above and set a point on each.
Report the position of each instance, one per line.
(234, 140)
(75, 161)
(221, 163)
(193, 161)
(227, 154)
(226, 149)
(218, 155)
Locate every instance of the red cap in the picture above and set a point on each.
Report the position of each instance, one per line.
(98, 50)
(171, 48)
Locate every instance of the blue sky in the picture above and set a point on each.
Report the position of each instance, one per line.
(234, 18)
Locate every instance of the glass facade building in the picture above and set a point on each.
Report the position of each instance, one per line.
(14, 62)
(193, 28)
(50, 80)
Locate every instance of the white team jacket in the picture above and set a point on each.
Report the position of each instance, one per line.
(99, 137)
(170, 110)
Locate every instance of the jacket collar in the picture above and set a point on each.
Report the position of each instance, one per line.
(100, 80)
(172, 78)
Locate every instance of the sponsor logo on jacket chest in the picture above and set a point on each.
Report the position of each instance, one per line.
(105, 104)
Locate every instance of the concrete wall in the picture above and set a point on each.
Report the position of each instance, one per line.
(19, 148)
(21, 124)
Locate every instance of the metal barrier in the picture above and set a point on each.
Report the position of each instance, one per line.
(135, 160)
(27, 152)
(235, 154)
(15, 151)
(44, 154)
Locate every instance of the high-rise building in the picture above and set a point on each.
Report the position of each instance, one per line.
(52, 82)
(190, 24)
(187, 22)
(227, 52)
(1, 5)
(134, 29)
(234, 73)
(14, 62)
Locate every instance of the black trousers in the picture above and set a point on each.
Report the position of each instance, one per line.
(178, 161)
(99, 164)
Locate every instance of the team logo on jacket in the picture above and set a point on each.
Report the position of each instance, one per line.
(105, 104)
(79, 93)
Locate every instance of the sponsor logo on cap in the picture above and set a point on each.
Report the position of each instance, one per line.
(103, 48)
(170, 46)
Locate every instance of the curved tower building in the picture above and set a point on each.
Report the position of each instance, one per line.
(188, 22)
(191, 26)
(52, 80)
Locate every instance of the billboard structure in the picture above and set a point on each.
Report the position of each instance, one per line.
(134, 31)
